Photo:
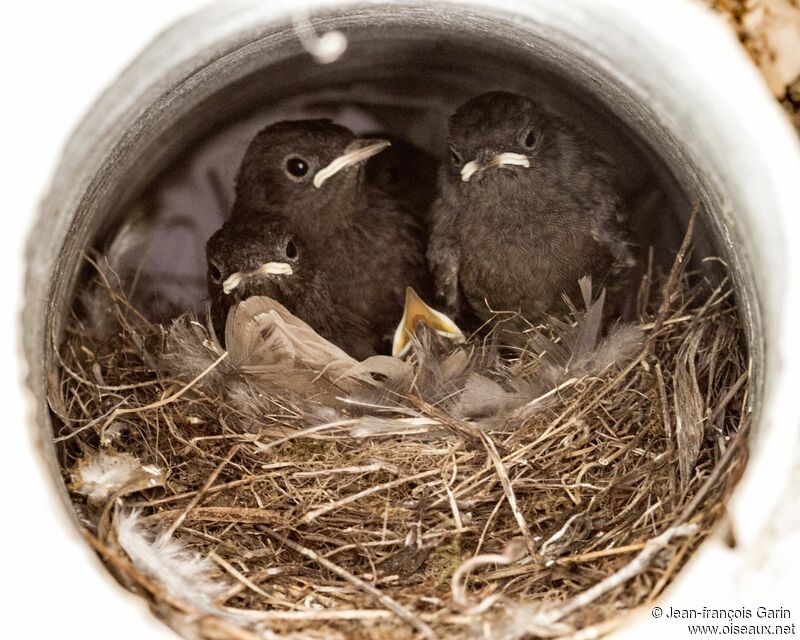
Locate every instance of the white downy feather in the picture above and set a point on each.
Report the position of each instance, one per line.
(375, 426)
(183, 573)
(100, 475)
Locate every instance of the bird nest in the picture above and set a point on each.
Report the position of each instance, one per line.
(580, 478)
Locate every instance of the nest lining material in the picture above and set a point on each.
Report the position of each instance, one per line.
(243, 509)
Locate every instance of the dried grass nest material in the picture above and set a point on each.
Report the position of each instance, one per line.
(264, 519)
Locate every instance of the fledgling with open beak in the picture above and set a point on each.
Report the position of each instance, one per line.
(417, 312)
(367, 243)
(252, 255)
(525, 208)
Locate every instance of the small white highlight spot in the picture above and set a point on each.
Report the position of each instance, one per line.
(325, 48)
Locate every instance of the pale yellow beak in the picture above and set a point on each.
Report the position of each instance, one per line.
(506, 159)
(417, 311)
(268, 268)
(357, 152)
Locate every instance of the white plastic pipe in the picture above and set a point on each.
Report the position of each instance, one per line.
(671, 70)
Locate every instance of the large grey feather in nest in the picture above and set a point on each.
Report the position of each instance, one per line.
(272, 351)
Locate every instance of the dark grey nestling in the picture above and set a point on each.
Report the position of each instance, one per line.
(525, 208)
(253, 255)
(366, 242)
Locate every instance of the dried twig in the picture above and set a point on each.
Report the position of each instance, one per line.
(391, 604)
(549, 616)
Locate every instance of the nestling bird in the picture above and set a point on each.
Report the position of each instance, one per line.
(366, 243)
(258, 255)
(416, 312)
(525, 208)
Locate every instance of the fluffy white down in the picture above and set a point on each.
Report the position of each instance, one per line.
(101, 475)
(182, 572)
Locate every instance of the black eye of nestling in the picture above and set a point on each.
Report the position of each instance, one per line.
(297, 167)
(530, 139)
(214, 272)
(455, 156)
(291, 249)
